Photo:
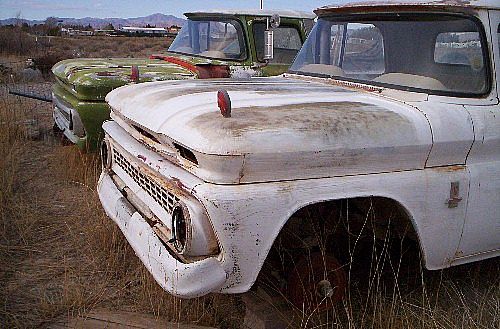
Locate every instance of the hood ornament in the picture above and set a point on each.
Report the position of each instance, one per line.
(224, 103)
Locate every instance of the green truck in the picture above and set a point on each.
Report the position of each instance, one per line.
(218, 44)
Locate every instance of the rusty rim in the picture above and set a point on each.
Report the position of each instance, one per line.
(317, 282)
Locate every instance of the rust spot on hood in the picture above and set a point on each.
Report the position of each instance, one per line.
(331, 119)
(105, 74)
(204, 71)
(333, 81)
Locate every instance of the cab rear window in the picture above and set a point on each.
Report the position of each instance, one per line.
(462, 48)
(287, 43)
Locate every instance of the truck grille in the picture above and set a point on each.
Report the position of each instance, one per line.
(165, 199)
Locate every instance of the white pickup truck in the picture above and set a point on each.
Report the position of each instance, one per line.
(390, 107)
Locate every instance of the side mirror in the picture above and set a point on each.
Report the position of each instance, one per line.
(272, 22)
(268, 45)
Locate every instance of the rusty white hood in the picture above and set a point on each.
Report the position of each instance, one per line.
(281, 128)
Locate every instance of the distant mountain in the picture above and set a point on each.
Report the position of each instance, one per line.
(14, 21)
(158, 20)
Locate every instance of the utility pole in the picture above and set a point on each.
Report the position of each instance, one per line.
(261, 4)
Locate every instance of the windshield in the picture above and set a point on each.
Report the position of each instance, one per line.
(219, 39)
(441, 54)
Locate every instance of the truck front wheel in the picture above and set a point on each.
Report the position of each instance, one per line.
(317, 282)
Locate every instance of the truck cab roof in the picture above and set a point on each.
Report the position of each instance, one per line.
(394, 4)
(253, 12)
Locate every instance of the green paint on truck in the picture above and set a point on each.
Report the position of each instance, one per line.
(222, 44)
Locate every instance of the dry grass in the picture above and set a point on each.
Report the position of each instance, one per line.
(101, 46)
(13, 41)
(387, 288)
(17, 46)
(59, 254)
(464, 297)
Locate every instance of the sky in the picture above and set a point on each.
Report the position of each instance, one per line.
(41, 9)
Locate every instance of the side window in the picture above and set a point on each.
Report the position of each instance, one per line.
(203, 32)
(459, 48)
(287, 43)
(224, 38)
(337, 40)
(364, 50)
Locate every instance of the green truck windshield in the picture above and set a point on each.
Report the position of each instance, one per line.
(219, 39)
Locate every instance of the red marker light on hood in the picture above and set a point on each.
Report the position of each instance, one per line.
(224, 103)
(134, 74)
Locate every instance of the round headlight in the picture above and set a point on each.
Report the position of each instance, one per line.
(105, 155)
(180, 227)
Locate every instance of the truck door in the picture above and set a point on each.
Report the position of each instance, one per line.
(481, 233)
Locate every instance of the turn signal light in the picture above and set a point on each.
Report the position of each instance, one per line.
(180, 222)
(105, 155)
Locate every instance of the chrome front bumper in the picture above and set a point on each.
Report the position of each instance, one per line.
(183, 280)
(67, 120)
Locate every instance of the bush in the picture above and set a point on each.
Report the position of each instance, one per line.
(16, 42)
(45, 62)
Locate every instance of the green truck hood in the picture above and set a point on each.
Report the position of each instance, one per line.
(92, 78)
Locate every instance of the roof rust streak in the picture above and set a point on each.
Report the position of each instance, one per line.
(380, 6)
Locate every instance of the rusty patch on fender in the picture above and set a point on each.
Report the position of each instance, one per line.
(449, 168)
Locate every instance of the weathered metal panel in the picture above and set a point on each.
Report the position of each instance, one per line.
(482, 226)
(494, 24)
(481, 233)
(452, 132)
(247, 218)
(298, 142)
(285, 124)
(93, 78)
